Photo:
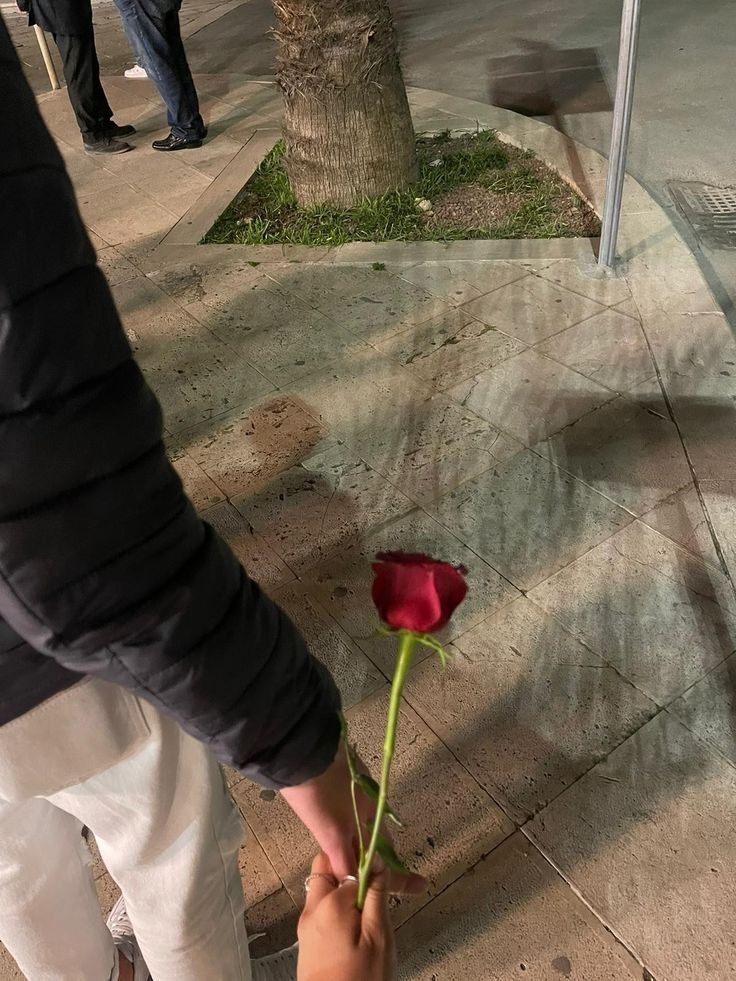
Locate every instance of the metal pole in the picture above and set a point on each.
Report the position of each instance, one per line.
(46, 54)
(625, 78)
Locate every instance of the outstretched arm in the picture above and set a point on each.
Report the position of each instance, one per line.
(104, 565)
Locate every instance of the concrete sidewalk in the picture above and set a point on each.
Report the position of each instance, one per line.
(568, 784)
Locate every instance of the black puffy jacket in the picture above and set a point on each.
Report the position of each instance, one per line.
(105, 568)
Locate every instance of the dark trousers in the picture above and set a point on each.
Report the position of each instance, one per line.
(82, 74)
(156, 40)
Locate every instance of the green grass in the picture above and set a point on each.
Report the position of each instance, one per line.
(541, 204)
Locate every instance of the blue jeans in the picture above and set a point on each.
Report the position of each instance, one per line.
(156, 40)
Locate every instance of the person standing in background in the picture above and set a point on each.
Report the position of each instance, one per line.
(70, 24)
(154, 31)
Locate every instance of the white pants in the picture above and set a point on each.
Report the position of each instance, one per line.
(165, 825)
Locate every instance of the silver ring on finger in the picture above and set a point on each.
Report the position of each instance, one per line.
(319, 875)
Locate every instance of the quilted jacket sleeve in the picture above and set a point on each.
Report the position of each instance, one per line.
(104, 565)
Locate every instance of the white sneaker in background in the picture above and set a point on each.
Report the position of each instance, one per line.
(119, 925)
(136, 72)
(276, 967)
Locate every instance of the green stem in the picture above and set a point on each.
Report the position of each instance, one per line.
(407, 641)
(353, 785)
(358, 825)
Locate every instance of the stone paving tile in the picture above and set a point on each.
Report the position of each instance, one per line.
(720, 501)
(78, 164)
(92, 179)
(57, 114)
(610, 348)
(140, 251)
(174, 188)
(531, 396)
(243, 451)
(124, 96)
(361, 387)
(238, 91)
(319, 285)
(463, 281)
(511, 918)
(107, 893)
(450, 348)
(122, 213)
(116, 267)
(150, 123)
(242, 124)
(98, 243)
(450, 822)
(652, 610)
(138, 301)
(271, 924)
(436, 121)
(648, 394)
(527, 518)
(590, 281)
(532, 309)
(9, 970)
(429, 447)
(219, 279)
(231, 776)
(260, 562)
(628, 307)
(631, 456)
(698, 345)
(343, 583)
(320, 506)
(277, 333)
(647, 839)
(681, 518)
(98, 866)
(194, 374)
(225, 117)
(355, 676)
(526, 707)
(707, 709)
(259, 877)
(215, 155)
(371, 304)
(202, 491)
(678, 278)
(705, 408)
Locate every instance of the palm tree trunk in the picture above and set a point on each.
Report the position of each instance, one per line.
(347, 127)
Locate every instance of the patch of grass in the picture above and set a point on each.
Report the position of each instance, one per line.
(477, 188)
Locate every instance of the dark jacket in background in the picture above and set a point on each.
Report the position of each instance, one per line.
(70, 17)
(105, 568)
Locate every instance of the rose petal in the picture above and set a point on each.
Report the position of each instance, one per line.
(451, 590)
(406, 596)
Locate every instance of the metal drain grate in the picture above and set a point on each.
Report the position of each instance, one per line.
(710, 210)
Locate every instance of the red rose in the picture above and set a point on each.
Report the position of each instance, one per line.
(415, 592)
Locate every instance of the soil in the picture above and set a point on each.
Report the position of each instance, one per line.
(471, 185)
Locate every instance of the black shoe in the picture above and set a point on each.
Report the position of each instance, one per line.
(173, 142)
(112, 129)
(106, 144)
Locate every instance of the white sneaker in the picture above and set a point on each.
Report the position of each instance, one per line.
(276, 967)
(119, 925)
(136, 72)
